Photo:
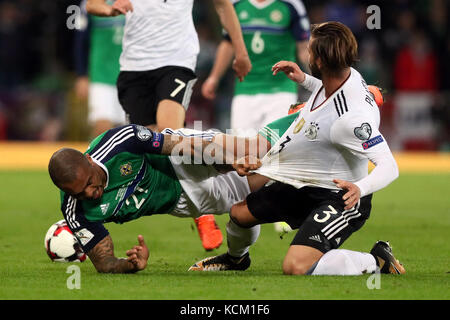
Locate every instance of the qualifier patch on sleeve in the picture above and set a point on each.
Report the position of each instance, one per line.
(143, 133)
(364, 132)
(84, 236)
(372, 142)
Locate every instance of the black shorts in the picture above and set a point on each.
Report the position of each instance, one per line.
(318, 213)
(141, 91)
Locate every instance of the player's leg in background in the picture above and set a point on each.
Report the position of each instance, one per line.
(277, 106)
(137, 97)
(105, 111)
(174, 90)
(101, 101)
(170, 114)
(245, 117)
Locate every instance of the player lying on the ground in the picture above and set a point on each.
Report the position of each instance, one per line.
(126, 174)
(319, 164)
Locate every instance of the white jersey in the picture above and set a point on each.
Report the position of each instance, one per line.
(159, 33)
(330, 139)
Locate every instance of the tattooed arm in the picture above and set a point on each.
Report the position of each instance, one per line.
(102, 256)
(221, 150)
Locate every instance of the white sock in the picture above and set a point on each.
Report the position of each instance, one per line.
(240, 239)
(341, 262)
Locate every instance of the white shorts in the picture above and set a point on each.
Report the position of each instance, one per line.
(205, 190)
(249, 113)
(104, 104)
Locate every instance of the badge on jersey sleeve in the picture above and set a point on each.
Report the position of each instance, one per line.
(372, 142)
(143, 133)
(363, 132)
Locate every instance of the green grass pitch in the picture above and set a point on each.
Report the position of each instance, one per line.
(413, 214)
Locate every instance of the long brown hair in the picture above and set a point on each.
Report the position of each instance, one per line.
(335, 45)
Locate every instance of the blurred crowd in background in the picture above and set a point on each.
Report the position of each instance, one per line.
(408, 57)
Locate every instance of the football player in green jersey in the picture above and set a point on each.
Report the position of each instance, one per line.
(273, 30)
(157, 67)
(97, 48)
(126, 173)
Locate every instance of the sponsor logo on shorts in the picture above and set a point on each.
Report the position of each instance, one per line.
(315, 238)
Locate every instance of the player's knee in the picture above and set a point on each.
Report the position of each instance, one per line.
(235, 216)
(296, 266)
(239, 216)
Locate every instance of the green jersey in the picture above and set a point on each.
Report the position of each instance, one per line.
(274, 130)
(138, 183)
(105, 47)
(271, 30)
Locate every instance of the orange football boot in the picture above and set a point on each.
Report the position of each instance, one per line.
(209, 232)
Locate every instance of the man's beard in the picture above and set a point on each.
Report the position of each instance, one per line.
(315, 71)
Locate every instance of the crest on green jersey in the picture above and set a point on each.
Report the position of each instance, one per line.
(126, 169)
(276, 16)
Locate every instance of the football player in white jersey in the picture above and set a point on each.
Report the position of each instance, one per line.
(159, 54)
(160, 47)
(318, 163)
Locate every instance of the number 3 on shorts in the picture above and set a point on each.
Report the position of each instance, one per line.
(180, 87)
(327, 215)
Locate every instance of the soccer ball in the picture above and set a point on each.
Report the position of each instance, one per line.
(61, 245)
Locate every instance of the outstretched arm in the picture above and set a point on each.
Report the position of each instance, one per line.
(102, 9)
(224, 55)
(222, 149)
(102, 256)
(293, 72)
(230, 22)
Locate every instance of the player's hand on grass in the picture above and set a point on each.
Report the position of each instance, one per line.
(139, 254)
(121, 7)
(209, 88)
(246, 165)
(291, 69)
(242, 66)
(353, 194)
